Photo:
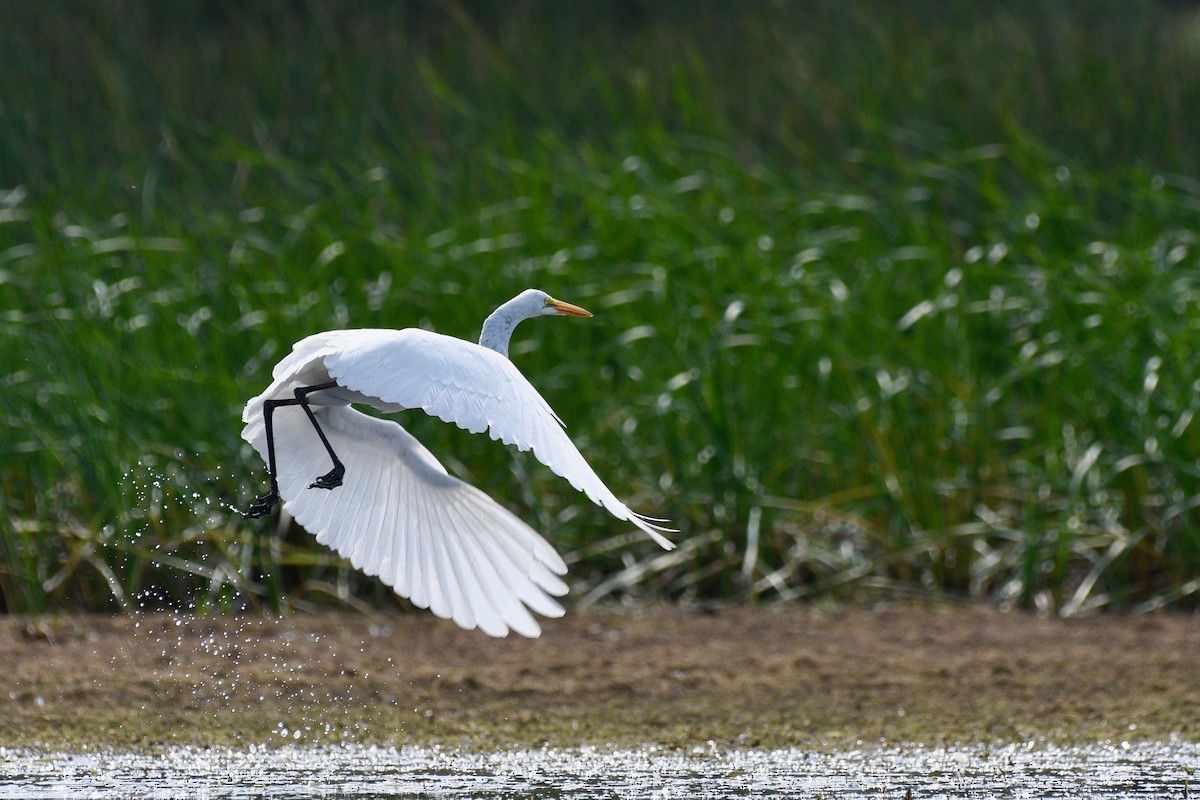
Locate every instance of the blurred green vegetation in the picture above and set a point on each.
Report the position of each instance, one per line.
(889, 298)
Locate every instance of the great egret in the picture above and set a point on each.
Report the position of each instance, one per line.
(434, 539)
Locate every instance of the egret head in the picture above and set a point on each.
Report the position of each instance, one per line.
(530, 303)
(543, 305)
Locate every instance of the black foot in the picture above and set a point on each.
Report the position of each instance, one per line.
(261, 507)
(330, 480)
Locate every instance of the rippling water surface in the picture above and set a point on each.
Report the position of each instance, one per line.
(1145, 770)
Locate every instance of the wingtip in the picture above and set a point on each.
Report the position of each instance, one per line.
(653, 530)
(662, 541)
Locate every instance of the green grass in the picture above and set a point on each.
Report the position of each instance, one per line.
(886, 301)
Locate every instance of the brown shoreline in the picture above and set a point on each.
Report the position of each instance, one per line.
(740, 677)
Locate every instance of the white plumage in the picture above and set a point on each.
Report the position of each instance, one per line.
(395, 512)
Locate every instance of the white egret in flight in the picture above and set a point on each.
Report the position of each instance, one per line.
(388, 505)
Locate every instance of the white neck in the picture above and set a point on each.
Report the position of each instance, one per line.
(500, 324)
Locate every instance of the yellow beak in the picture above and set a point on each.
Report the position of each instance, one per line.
(568, 309)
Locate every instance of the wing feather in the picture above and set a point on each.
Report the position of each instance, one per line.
(429, 570)
(436, 580)
(537, 573)
(406, 543)
(498, 593)
(476, 389)
(458, 608)
(381, 485)
(475, 597)
(424, 583)
(524, 586)
(391, 554)
(365, 502)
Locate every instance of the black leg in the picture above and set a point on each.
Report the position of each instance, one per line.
(333, 478)
(263, 505)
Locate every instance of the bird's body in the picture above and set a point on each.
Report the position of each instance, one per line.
(389, 506)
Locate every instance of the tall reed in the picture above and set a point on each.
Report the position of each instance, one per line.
(870, 317)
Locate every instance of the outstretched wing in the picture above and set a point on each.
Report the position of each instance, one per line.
(433, 538)
(478, 390)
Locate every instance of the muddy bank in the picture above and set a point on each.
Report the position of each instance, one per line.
(740, 677)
